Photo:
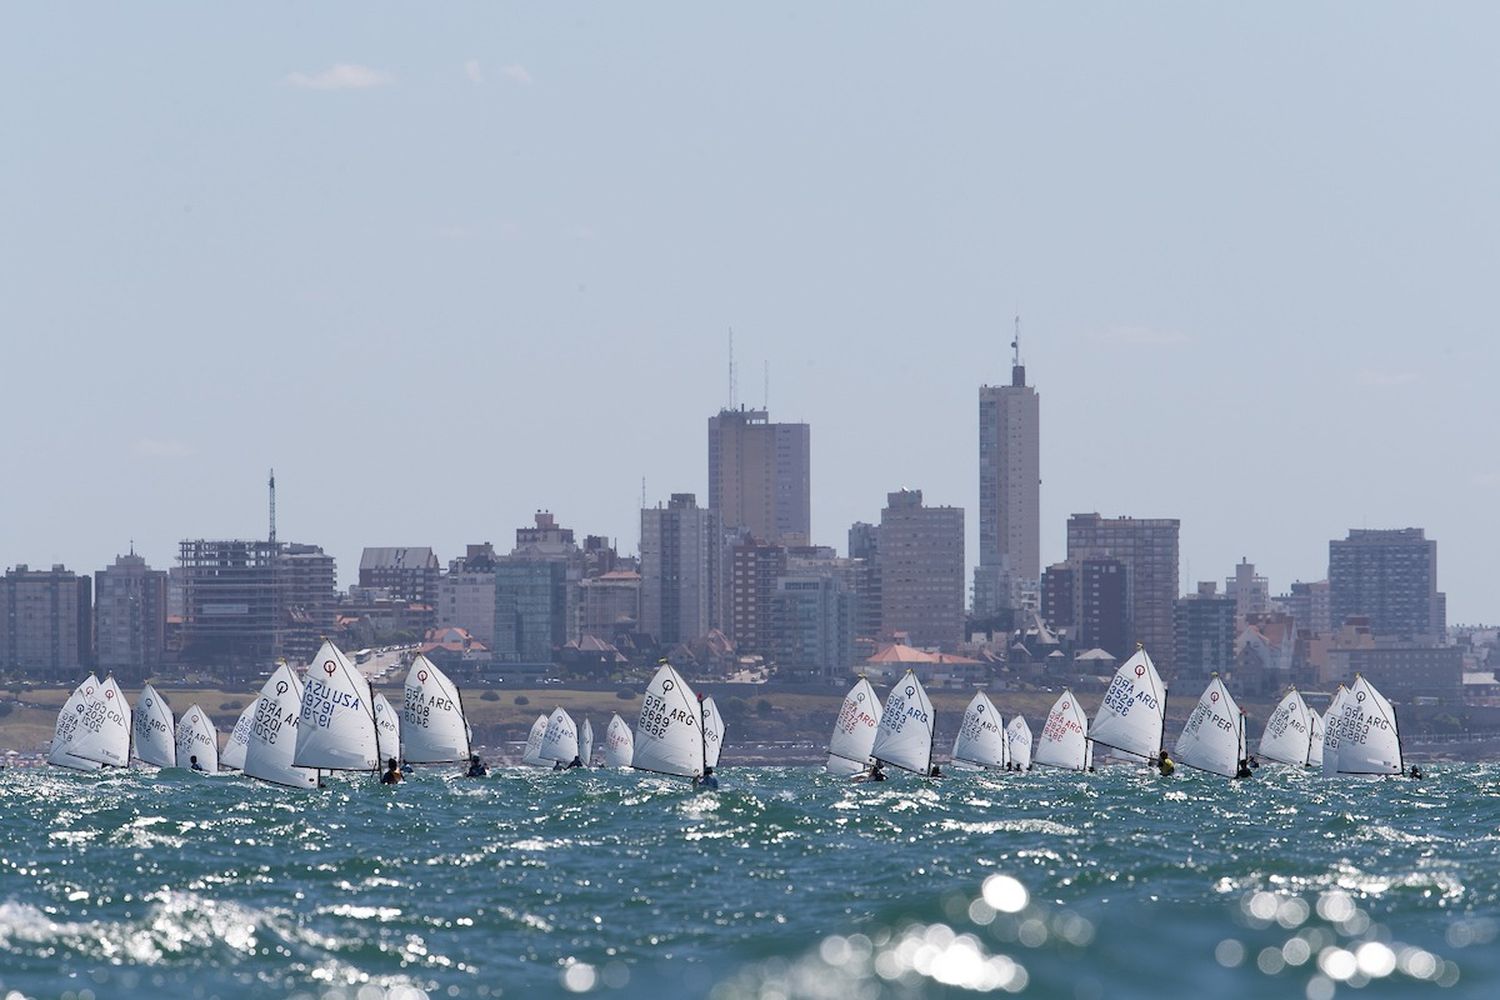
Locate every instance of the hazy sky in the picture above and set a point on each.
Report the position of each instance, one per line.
(442, 265)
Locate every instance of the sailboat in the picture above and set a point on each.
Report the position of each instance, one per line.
(619, 743)
(272, 743)
(196, 737)
(1064, 742)
(232, 757)
(103, 734)
(1369, 739)
(560, 739)
(336, 728)
(1132, 716)
(669, 733)
(1018, 743)
(1315, 741)
(154, 730)
(981, 741)
(904, 736)
(1333, 723)
(69, 730)
(713, 733)
(854, 731)
(387, 730)
(586, 743)
(533, 753)
(1289, 732)
(434, 729)
(1211, 741)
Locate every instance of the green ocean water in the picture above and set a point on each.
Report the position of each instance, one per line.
(786, 883)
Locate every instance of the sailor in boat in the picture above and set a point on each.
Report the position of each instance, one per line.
(194, 762)
(1416, 773)
(392, 773)
(1165, 766)
(575, 762)
(1244, 769)
(477, 768)
(934, 772)
(706, 780)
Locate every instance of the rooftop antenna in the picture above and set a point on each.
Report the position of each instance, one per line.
(272, 485)
(766, 398)
(732, 385)
(1015, 344)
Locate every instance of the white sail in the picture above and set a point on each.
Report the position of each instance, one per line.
(619, 743)
(533, 752)
(586, 743)
(1064, 741)
(104, 727)
(70, 727)
(1018, 742)
(196, 737)
(233, 754)
(273, 733)
(1333, 720)
(1211, 739)
(1133, 711)
(336, 724)
(1288, 735)
(1315, 742)
(667, 735)
(904, 736)
(433, 727)
(155, 731)
(713, 732)
(981, 735)
(1368, 739)
(560, 738)
(854, 731)
(387, 729)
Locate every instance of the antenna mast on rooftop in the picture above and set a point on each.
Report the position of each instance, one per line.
(272, 486)
(733, 385)
(1015, 344)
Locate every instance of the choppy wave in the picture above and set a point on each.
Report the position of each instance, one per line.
(787, 883)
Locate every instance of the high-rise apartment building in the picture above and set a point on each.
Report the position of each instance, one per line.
(759, 476)
(864, 553)
(1010, 526)
(611, 602)
(247, 602)
(466, 593)
(814, 616)
(130, 618)
(1251, 592)
(531, 609)
(1390, 577)
(1206, 630)
(753, 570)
(408, 573)
(681, 551)
(46, 623)
(921, 570)
(1147, 547)
(1308, 604)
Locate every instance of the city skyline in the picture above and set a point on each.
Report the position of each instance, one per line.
(1274, 333)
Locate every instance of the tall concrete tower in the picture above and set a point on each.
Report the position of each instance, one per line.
(1010, 488)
